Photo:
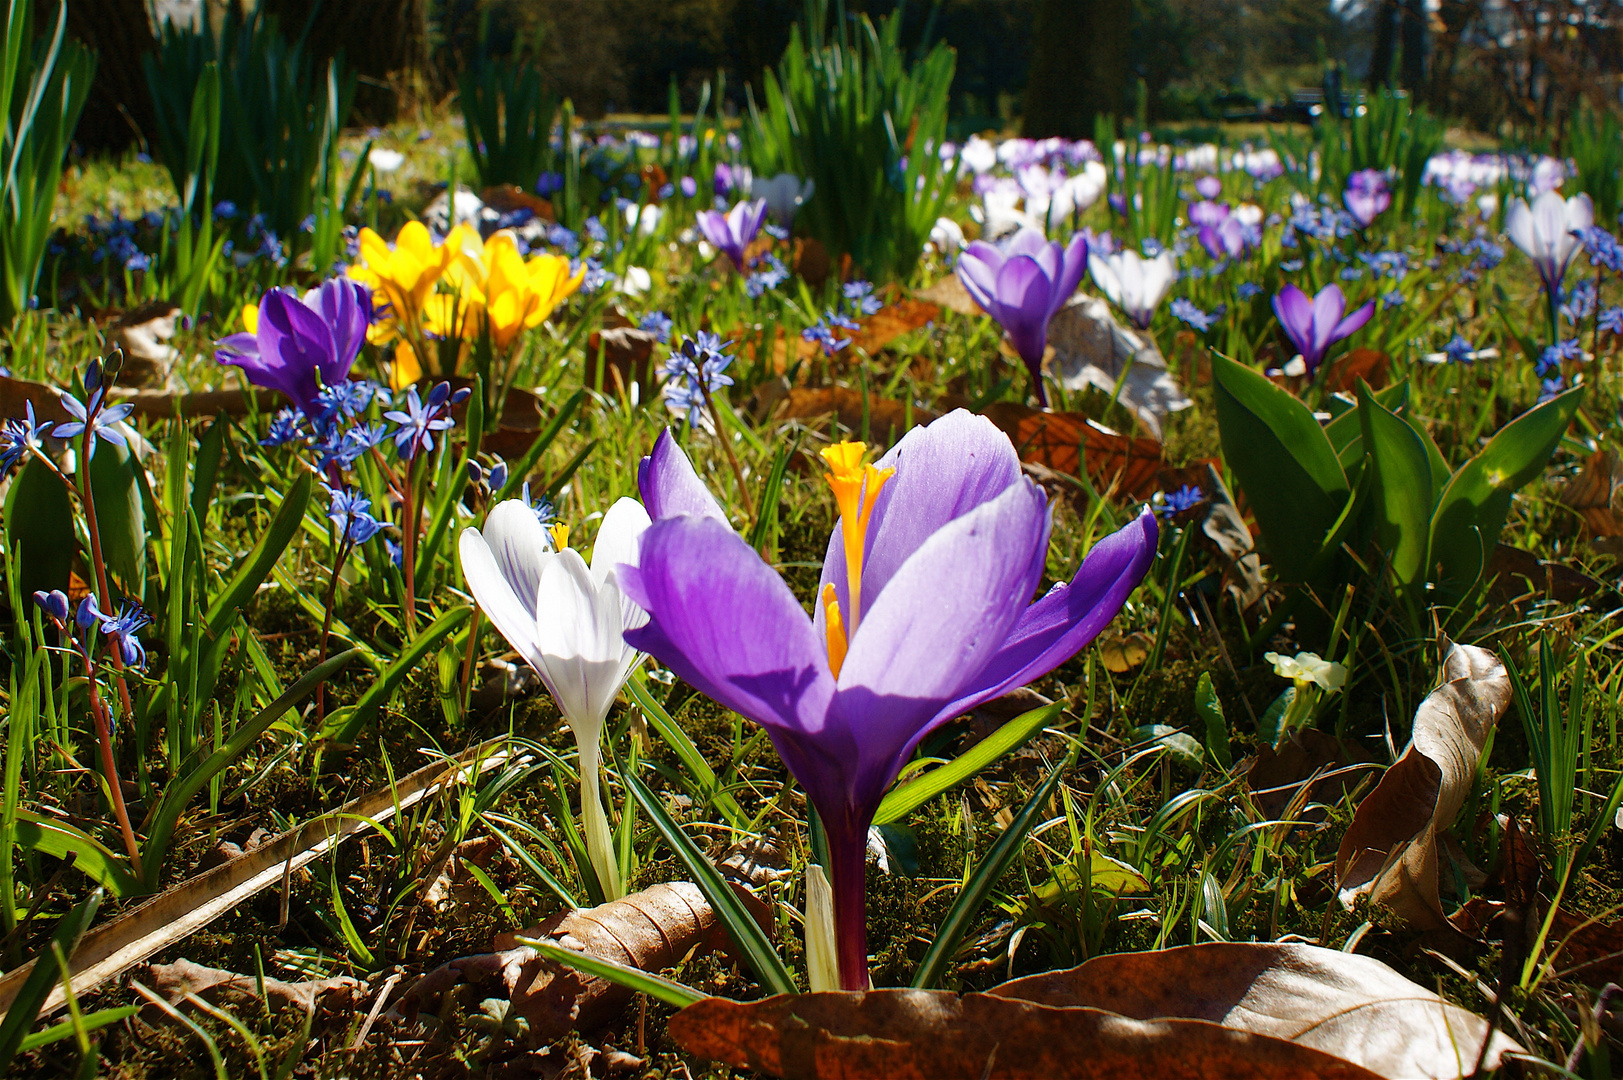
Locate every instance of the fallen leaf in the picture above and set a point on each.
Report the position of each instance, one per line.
(1342, 373)
(1597, 494)
(627, 357)
(1520, 575)
(1124, 654)
(812, 262)
(143, 333)
(505, 198)
(183, 977)
(887, 420)
(1092, 349)
(1342, 1004)
(937, 1035)
(1390, 852)
(950, 293)
(1225, 529)
(1064, 441)
(1325, 765)
(892, 321)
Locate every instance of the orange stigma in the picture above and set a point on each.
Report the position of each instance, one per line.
(856, 488)
(834, 626)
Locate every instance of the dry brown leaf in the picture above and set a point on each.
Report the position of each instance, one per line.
(950, 293)
(892, 321)
(183, 977)
(1390, 852)
(627, 357)
(1341, 375)
(887, 420)
(937, 1035)
(1124, 654)
(1342, 1004)
(143, 333)
(1597, 494)
(1316, 759)
(1063, 441)
(1092, 349)
(1520, 575)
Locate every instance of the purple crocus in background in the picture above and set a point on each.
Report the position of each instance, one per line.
(299, 345)
(1208, 187)
(924, 611)
(1313, 325)
(1367, 195)
(1227, 240)
(731, 233)
(1022, 285)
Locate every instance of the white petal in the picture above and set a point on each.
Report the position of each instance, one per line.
(512, 616)
(619, 537)
(519, 544)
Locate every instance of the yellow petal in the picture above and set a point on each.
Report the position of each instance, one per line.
(406, 370)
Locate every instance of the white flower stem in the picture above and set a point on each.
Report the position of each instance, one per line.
(595, 822)
(822, 963)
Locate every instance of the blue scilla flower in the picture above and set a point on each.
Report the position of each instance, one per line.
(1185, 311)
(1611, 320)
(1459, 351)
(693, 371)
(95, 416)
(1176, 502)
(53, 603)
(657, 323)
(860, 294)
(417, 423)
(287, 426)
(351, 512)
(20, 437)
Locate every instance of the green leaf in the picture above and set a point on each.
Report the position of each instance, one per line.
(37, 987)
(1283, 461)
(1471, 510)
(644, 982)
(1268, 723)
(1180, 744)
(1210, 711)
(345, 724)
(901, 800)
(120, 517)
(39, 529)
(57, 838)
(92, 1021)
(752, 942)
(1403, 495)
(966, 909)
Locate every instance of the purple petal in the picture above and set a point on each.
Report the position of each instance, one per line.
(725, 622)
(936, 625)
(1028, 241)
(1354, 322)
(1295, 312)
(977, 269)
(1023, 292)
(669, 485)
(1073, 266)
(1069, 616)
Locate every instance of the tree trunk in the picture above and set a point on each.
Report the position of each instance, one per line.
(1078, 66)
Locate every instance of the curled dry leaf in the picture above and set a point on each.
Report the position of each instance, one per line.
(175, 981)
(1092, 349)
(938, 1035)
(1342, 373)
(1597, 494)
(1349, 1006)
(950, 293)
(1390, 852)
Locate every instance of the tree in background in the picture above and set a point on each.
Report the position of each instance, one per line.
(1079, 66)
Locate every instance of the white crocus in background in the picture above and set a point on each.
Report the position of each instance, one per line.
(1546, 232)
(785, 194)
(1133, 283)
(567, 621)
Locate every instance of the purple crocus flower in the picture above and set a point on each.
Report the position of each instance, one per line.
(1022, 285)
(299, 345)
(1367, 195)
(923, 612)
(731, 233)
(1208, 213)
(1225, 240)
(1208, 187)
(1313, 325)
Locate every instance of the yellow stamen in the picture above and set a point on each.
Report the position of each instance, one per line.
(856, 489)
(560, 535)
(835, 628)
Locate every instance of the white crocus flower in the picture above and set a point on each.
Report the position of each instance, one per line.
(785, 194)
(1546, 232)
(385, 160)
(568, 621)
(1133, 283)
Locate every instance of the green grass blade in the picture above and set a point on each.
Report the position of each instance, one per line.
(1005, 740)
(741, 926)
(37, 987)
(979, 886)
(655, 986)
(692, 759)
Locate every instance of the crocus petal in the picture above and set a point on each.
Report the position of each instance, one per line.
(724, 621)
(579, 639)
(1353, 322)
(937, 624)
(1073, 266)
(670, 486)
(1028, 241)
(1519, 227)
(519, 546)
(1328, 308)
(977, 269)
(513, 617)
(1104, 276)
(1070, 615)
(618, 536)
(1022, 289)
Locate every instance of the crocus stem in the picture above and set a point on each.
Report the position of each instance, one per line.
(595, 823)
(408, 544)
(848, 858)
(473, 655)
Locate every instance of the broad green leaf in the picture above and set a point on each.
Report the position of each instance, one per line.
(1269, 722)
(120, 517)
(901, 800)
(1284, 462)
(1403, 495)
(1180, 744)
(1471, 511)
(39, 529)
